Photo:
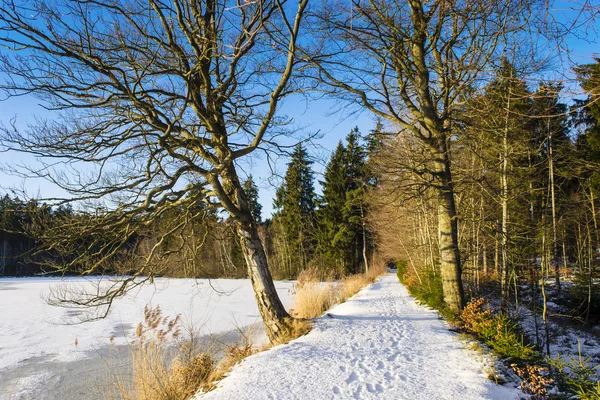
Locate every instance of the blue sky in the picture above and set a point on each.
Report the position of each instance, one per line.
(311, 115)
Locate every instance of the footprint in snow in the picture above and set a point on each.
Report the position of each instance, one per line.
(357, 392)
(352, 378)
(365, 368)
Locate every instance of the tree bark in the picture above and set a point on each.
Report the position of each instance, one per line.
(272, 311)
(553, 259)
(270, 307)
(448, 232)
(364, 240)
(504, 202)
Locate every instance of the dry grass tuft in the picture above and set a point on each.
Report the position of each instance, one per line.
(352, 285)
(296, 327)
(157, 378)
(233, 355)
(161, 372)
(313, 296)
(312, 299)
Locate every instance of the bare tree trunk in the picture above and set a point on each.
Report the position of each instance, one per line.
(534, 299)
(564, 250)
(553, 203)
(590, 274)
(496, 255)
(484, 256)
(545, 265)
(272, 311)
(504, 201)
(430, 245)
(410, 260)
(595, 221)
(448, 233)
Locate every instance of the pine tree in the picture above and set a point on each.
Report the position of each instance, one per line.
(252, 193)
(354, 208)
(587, 118)
(342, 214)
(331, 223)
(295, 205)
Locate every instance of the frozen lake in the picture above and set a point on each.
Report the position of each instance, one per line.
(46, 353)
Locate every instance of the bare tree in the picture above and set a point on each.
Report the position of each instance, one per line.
(417, 59)
(158, 101)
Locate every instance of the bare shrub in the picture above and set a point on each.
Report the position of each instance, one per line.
(535, 379)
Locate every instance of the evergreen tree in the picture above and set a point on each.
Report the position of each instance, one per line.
(342, 214)
(252, 194)
(332, 227)
(375, 138)
(354, 208)
(374, 144)
(587, 118)
(295, 205)
(501, 125)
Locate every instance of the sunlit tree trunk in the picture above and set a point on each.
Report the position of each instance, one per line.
(448, 232)
(504, 202)
(272, 311)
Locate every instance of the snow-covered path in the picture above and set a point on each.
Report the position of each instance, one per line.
(378, 345)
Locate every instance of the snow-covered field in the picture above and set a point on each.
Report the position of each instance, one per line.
(35, 338)
(378, 345)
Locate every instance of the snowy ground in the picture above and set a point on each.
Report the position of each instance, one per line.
(42, 358)
(378, 345)
(569, 338)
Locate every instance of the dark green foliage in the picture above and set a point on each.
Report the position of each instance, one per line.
(578, 377)
(587, 119)
(343, 209)
(296, 196)
(295, 205)
(252, 193)
(331, 224)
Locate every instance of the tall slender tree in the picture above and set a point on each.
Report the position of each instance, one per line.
(331, 226)
(343, 209)
(295, 205)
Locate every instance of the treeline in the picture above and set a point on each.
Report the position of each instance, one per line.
(526, 178)
(328, 233)
(17, 248)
